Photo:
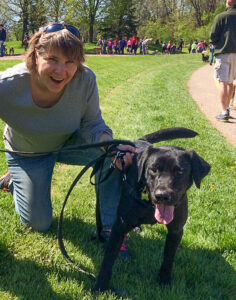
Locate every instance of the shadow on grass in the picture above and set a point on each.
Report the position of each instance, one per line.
(197, 274)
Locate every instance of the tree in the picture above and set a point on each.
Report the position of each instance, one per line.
(85, 11)
(56, 9)
(119, 19)
(28, 13)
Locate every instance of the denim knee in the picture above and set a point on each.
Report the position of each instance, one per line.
(41, 223)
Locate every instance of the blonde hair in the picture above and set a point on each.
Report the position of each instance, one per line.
(62, 40)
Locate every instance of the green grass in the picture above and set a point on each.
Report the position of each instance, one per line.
(138, 95)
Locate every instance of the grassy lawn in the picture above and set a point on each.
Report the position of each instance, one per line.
(138, 95)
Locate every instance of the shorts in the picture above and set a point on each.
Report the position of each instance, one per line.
(225, 67)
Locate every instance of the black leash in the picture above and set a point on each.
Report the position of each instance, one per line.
(97, 165)
(80, 147)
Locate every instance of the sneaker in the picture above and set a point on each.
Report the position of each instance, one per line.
(123, 249)
(4, 182)
(223, 117)
(228, 112)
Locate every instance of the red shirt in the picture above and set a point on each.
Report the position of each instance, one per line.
(134, 40)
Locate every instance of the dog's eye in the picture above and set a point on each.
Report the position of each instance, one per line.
(179, 171)
(152, 170)
(156, 169)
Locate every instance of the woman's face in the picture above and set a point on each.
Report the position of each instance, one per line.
(55, 71)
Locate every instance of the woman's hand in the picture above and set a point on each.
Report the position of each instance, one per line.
(128, 157)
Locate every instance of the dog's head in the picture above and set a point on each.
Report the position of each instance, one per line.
(167, 173)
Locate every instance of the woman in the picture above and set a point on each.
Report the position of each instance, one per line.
(51, 101)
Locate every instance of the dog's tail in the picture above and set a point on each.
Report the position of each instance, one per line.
(169, 134)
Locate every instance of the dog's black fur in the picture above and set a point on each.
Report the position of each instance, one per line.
(205, 58)
(166, 173)
(11, 51)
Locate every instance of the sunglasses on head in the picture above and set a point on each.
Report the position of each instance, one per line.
(60, 26)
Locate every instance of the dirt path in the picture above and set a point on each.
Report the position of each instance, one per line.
(203, 89)
(12, 57)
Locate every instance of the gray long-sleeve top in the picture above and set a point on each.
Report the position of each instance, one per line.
(34, 129)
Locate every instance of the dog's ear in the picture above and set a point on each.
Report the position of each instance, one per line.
(200, 168)
(141, 162)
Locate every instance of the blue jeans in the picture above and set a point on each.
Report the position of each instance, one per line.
(1, 48)
(211, 57)
(144, 49)
(30, 185)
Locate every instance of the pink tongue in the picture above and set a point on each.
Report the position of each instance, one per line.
(164, 214)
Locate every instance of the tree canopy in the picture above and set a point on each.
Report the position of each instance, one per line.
(159, 19)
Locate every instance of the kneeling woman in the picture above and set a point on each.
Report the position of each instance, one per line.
(51, 101)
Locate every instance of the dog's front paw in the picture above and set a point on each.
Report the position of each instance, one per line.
(98, 288)
(164, 278)
(117, 292)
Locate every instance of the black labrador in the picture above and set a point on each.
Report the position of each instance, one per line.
(166, 173)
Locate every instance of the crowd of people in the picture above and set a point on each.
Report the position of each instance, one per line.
(123, 45)
(171, 47)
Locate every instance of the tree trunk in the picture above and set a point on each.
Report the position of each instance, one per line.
(25, 17)
(91, 23)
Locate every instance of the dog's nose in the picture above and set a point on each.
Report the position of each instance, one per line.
(163, 196)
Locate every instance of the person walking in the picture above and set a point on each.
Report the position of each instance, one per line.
(212, 50)
(194, 47)
(223, 37)
(145, 45)
(51, 102)
(134, 44)
(2, 39)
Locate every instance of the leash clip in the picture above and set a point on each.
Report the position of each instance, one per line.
(124, 177)
(119, 154)
(113, 164)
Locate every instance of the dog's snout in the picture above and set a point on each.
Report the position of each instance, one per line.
(163, 196)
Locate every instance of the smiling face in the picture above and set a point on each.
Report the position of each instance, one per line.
(54, 72)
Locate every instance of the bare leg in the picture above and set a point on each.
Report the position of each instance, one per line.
(225, 94)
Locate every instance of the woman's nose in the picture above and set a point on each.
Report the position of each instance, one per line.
(60, 68)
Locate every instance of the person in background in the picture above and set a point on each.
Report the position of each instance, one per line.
(122, 45)
(145, 45)
(223, 37)
(134, 44)
(140, 46)
(50, 103)
(100, 43)
(110, 46)
(189, 47)
(163, 47)
(200, 47)
(212, 50)
(181, 44)
(26, 40)
(173, 48)
(168, 47)
(2, 39)
(129, 46)
(117, 44)
(104, 47)
(194, 47)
